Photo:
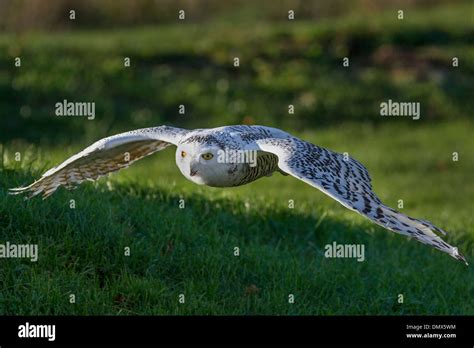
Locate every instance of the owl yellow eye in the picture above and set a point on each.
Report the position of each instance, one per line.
(183, 154)
(207, 156)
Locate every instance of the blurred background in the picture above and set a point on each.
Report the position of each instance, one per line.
(191, 62)
(425, 164)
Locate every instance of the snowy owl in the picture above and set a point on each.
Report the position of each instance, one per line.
(237, 155)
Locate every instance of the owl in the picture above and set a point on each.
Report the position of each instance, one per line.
(237, 155)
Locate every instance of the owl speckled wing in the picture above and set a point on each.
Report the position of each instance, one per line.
(348, 182)
(103, 157)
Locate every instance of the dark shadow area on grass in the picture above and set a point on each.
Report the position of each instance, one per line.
(172, 248)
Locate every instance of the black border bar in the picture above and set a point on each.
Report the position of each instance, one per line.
(242, 329)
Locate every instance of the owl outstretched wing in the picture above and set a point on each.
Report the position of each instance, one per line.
(349, 183)
(104, 156)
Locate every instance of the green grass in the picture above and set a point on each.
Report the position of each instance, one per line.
(282, 63)
(190, 251)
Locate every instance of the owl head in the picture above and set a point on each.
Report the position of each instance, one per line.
(204, 164)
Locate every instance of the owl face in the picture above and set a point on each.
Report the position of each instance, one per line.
(200, 164)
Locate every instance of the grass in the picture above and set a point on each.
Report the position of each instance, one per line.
(281, 63)
(190, 251)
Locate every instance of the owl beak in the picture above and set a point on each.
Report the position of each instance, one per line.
(192, 171)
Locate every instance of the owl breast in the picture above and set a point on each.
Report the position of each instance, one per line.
(245, 173)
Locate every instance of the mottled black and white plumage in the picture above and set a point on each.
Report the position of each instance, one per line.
(197, 157)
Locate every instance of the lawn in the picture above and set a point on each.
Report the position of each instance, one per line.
(281, 64)
(190, 251)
